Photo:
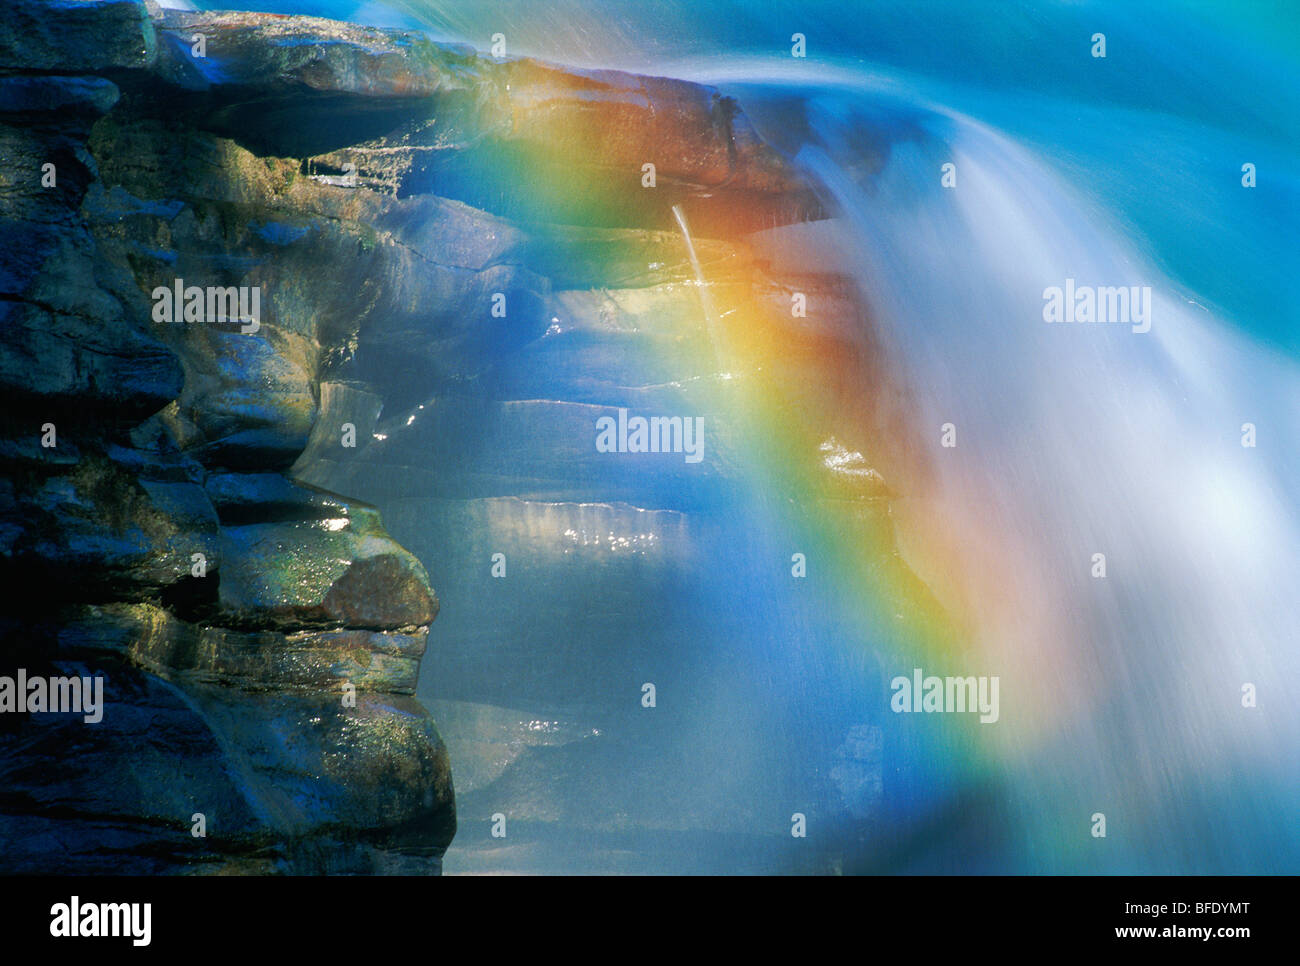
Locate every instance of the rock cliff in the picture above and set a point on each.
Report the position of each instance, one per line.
(171, 515)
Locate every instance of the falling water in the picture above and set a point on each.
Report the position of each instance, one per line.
(1076, 440)
(1121, 695)
(706, 297)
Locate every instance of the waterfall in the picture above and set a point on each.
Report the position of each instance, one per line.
(1075, 440)
(1122, 560)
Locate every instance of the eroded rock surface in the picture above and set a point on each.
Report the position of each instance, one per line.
(384, 194)
(259, 640)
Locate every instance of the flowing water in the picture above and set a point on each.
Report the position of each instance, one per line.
(1121, 695)
(1088, 439)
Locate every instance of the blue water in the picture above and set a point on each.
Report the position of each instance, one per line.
(1156, 132)
(1123, 170)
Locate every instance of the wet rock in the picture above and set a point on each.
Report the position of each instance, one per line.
(312, 766)
(452, 335)
(408, 114)
(76, 35)
(579, 257)
(248, 400)
(99, 530)
(75, 801)
(291, 780)
(69, 336)
(318, 573)
(241, 498)
(79, 357)
(615, 120)
(234, 609)
(154, 638)
(286, 56)
(474, 429)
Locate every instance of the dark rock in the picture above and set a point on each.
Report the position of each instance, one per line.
(69, 806)
(70, 341)
(74, 95)
(117, 797)
(269, 497)
(115, 541)
(76, 35)
(99, 530)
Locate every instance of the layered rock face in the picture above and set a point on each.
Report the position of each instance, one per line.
(459, 266)
(259, 640)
